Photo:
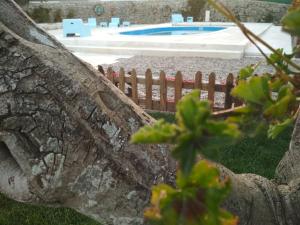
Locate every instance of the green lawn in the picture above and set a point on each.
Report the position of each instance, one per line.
(13, 213)
(279, 1)
(252, 155)
(258, 155)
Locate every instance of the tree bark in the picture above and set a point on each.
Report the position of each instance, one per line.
(64, 139)
(65, 130)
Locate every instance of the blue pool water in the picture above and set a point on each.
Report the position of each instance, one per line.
(173, 30)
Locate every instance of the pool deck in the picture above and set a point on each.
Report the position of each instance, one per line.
(229, 43)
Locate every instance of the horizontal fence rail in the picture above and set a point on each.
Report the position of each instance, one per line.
(140, 89)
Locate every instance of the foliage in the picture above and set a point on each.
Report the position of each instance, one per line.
(268, 18)
(194, 8)
(70, 14)
(41, 15)
(195, 200)
(291, 22)
(199, 191)
(194, 132)
(271, 100)
(57, 16)
(248, 154)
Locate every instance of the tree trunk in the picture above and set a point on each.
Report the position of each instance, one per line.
(64, 139)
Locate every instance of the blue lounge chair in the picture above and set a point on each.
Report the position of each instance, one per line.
(190, 19)
(126, 23)
(177, 18)
(92, 22)
(115, 22)
(75, 27)
(103, 24)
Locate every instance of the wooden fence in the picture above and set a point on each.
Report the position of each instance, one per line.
(128, 83)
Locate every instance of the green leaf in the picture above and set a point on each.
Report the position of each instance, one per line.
(275, 130)
(291, 22)
(222, 128)
(276, 84)
(280, 107)
(206, 179)
(276, 57)
(196, 199)
(255, 90)
(160, 132)
(247, 71)
(186, 153)
(285, 90)
(161, 196)
(218, 133)
(191, 112)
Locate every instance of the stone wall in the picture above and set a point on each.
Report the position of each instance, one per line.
(136, 11)
(159, 11)
(252, 11)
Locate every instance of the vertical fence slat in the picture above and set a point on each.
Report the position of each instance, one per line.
(110, 74)
(178, 86)
(198, 80)
(229, 85)
(148, 87)
(134, 86)
(163, 104)
(101, 70)
(163, 91)
(122, 80)
(211, 88)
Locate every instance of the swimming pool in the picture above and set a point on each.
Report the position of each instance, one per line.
(180, 30)
(224, 43)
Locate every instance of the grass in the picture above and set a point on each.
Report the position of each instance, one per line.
(258, 155)
(14, 213)
(279, 1)
(252, 155)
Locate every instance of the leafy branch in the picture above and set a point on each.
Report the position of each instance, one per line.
(199, 190)
(253, 37)
(270, 100)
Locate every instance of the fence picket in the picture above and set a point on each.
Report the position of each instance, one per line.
(122, 80)
(163, 91)
(110, 74)
(134, 86)
(148, 87)
(229, 85)
(101, 70)
(211, 88)
(198, 80)
(178, 87)
(178, 84)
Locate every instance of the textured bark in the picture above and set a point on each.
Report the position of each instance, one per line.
(64, 130)
(64, 139)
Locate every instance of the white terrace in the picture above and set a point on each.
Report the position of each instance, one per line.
(229, 43)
